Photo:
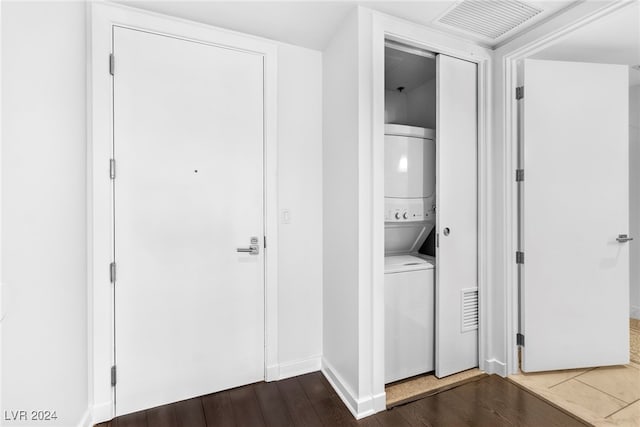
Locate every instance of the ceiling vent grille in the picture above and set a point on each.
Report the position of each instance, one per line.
(488, 18)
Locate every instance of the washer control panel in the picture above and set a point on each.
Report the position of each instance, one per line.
(406, 210)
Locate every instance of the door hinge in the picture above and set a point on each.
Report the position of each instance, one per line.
(519, 175)
(113, 376)
(112, 168)
(520, 339)
(437, 240)
(519, 257)
(264, 239)
(112, 272)
(520, 92)
(112, 64)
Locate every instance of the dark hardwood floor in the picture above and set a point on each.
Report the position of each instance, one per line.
(309, 400)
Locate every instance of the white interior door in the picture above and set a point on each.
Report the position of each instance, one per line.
(188, 142)
(456, 218)
(575, 288)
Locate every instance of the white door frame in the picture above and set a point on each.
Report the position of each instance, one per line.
(101, 19)
(387, 27)
(510, 111)
(1, 302)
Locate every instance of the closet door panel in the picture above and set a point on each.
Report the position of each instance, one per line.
(456, 199)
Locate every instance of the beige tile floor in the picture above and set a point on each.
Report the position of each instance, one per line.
(605, 396)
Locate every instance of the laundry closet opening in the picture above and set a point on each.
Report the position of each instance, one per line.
(430, 222)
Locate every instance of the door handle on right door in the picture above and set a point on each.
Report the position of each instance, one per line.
(622, 238)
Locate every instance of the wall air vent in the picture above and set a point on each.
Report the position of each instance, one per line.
(469, 309)
(488, 18)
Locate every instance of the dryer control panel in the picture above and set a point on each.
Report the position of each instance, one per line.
(405, 210)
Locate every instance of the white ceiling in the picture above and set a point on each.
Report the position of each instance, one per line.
(307, 24)
(614, 39)
(312, 23)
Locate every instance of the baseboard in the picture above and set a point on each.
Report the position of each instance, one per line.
(292, 369)
(493, 366)
(359, 408)
(340, 386)
(102, 412)
(379, 402)
(299, 367)
(272, 373)
(634, 312)
(87, 419)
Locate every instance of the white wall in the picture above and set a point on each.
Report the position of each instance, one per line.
(416, 107)
(395, 107)
(340, 205)
(348, 342)
(44, 340)
(300, 192)
(421, 105)
(634, 196)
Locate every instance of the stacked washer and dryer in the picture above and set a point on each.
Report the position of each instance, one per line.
(409, 276)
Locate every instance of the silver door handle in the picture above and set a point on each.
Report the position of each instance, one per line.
(623, 238)
(253, 250)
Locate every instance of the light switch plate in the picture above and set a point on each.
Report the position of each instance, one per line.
(285, 216)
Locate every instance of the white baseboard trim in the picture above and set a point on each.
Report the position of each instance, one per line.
(359, 408)
(493, 366)
(87, 419)
(379, 402)
(299, 367)
(102, 412)
(272, 373)
(340, 386)
(292, 369)
(635, 312)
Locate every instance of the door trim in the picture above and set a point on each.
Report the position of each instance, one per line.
(388, 27)
(509, 115)
(101, 19)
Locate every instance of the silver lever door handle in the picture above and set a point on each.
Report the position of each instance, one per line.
(253, 250)
(623, 238)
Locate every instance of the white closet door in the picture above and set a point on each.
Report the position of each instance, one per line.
(188, 141)
(456, 193)
(575, 301)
